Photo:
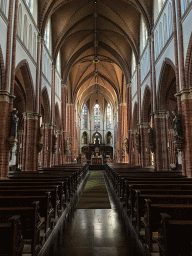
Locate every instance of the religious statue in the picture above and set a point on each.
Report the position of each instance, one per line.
(127, 145)
(14, 123)
(12, 140)
(178, 131)
(54, 143)
(40, 140)
(150, 139)
(137, 142)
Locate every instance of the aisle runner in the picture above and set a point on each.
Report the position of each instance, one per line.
(95, 194)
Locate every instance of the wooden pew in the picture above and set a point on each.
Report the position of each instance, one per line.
(30, 223)
(62, 189)
(130, 190)
(174, 236)
(35, 192)
(11, 237)
(152, 217)
(43, 176)
(45, 207)
(167, 198)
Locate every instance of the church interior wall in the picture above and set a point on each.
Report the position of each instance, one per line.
(3, 36)
(186, 24)
(167, 53)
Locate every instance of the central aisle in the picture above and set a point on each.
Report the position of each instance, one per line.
(95, 194)
(95, 232)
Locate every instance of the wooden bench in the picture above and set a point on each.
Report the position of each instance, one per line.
(174, 236)
(62, 189)
(45, 207)
(152, 217)
(130, 190)
(11, 237)
(167, 198)
(30, 223)
(35, 192)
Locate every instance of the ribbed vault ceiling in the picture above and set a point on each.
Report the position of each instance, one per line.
(96, 39)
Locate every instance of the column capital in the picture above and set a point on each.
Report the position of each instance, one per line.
(31, 116)
(150, 38)
(161, 114)
(54, 67)
(144, 124)
(138, 66)
(64, 85)
(6, 96)
(128, 85)
(185, 94)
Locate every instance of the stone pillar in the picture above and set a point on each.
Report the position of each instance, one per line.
(161, 136)
(30, 138)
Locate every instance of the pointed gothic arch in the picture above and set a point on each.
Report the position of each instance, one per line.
(146, 106)
(23, 74)
(46, 105)
(2, 71)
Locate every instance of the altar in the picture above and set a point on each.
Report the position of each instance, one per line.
(97, 160)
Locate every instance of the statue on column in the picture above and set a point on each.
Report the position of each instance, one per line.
(54, 147)
(13, 131)
(137, 142)
(150, 139)
(178, 131)
(14, 124)
(40, 141)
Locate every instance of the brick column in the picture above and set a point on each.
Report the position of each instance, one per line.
(145, 150)
(30, 138)
(161, 135)
(4, 133)
(186, 100)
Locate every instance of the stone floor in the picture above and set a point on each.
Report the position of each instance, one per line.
(94, 232)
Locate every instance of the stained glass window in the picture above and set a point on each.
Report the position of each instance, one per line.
(47, 34)
(109, 116)
(97, 116)
(84, 117)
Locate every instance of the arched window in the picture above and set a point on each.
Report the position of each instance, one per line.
(144, 35)
(133, 63)
(84, 116)
(34, 45)
(47, 34)
(30, 39)
(25, 30)
(58, 64)
(160, 37)
(3, 6)
(165, 28)
(84, 138)
(156, 44)
(109, 116)
(30, 5)
(19, 24)
(96, 116)
(170, 19)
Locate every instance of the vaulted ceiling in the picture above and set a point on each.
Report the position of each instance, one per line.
(96, 39)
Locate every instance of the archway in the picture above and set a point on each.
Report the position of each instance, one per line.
(147, 150)
(24, 154)
(166, 154)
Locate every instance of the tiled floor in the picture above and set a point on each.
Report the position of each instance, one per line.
(95, 232)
